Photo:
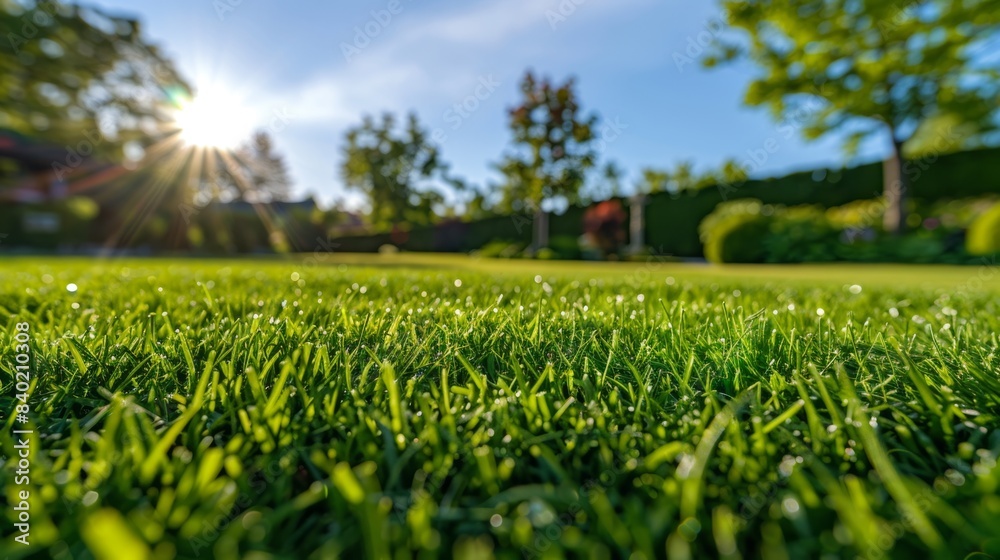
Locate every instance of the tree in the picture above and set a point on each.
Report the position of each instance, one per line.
(254, 172)
(393, 170)
(553, 150)
(265, 170)
(683, 177)
(868, 67)
(653, 181)
(730, 175)
(81, 78)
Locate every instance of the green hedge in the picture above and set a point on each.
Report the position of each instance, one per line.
(744, 231)
(984, 233)
(672, 220)
(75, 215)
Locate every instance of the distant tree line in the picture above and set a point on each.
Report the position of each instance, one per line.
(868, 68)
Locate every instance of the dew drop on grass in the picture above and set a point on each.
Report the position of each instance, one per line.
(90, 498)
(71, 288)
(791, 507)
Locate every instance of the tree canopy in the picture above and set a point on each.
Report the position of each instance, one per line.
(553, 144)
(394, 169)
(68, 73)
(868, 67)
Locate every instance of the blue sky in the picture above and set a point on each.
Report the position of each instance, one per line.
(288, 59)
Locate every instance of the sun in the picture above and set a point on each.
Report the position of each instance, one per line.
(213, 119)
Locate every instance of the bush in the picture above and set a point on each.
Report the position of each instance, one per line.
(984, 233)
(918, 247)
(604, 224)
(801, 234)
(960, 213)
(545, 254)
(859, 214)
(500, 249)
(74, 217)
(805, 234)
(735, 232)
(565, 247)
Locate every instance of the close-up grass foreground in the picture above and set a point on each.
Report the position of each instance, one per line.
(402, 407)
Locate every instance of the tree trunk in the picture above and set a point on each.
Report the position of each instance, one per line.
(896, 190)
(541, 229)
(637, 224)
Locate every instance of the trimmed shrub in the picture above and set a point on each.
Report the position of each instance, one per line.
(500, 249)
(984, 233)
(801, 234)
(866, 213)
(565, 247)
(735, 232)
(545, 254)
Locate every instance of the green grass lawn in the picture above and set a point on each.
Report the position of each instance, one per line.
(398, 407)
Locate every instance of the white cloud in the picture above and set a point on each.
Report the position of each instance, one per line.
(421, 61)
(416, 58)
(489, 23)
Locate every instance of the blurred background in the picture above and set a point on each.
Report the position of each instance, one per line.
(733, 132)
